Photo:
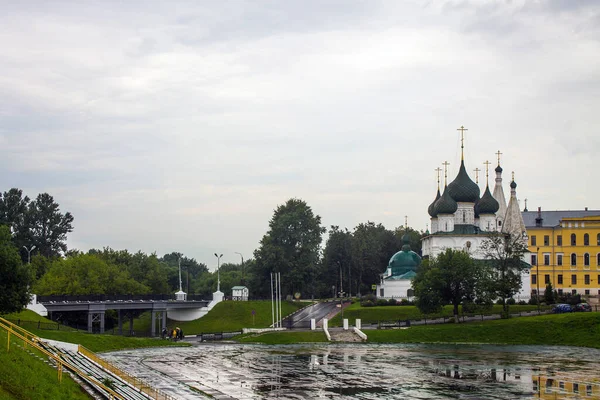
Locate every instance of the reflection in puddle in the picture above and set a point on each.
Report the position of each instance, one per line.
(371, 371)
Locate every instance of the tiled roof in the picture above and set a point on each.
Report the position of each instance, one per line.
(553, 218)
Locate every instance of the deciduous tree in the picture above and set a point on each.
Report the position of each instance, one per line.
(291, 247)
(14, 276)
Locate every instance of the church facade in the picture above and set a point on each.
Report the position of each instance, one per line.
(461, 219)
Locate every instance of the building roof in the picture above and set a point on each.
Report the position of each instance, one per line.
(553, 218)
(239, 288)
(462, 188)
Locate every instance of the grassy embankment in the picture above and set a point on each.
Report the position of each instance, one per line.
(25, 377)
(227, 316)
(578, 329)
(95, 343)
(372, 315)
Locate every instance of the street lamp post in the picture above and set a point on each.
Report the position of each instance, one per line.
(537, 281)
(179, 262)
(29, 253)
(218, 271)
(243, 282)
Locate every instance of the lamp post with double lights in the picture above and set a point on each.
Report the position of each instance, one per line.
(29, 250)
(218, 271)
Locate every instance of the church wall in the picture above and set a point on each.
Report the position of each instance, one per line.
(446, 222)
(465, 214)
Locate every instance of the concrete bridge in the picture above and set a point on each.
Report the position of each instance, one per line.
(96, 306)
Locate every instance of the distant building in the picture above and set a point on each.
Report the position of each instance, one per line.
(239, 293)
(565, 248)
(462, 219)
(396, 281)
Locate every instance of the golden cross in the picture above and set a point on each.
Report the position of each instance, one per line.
(498, 154)
(445, 164)
(405, 223)
(487, 167)
(438, 170)
(462, 130)
(513, 176)
(525, 205)
(477, 175)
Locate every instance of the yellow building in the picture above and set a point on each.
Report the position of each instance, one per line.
(565, 250)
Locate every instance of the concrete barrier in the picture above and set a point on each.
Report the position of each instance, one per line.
(326, 328)
(360, 333)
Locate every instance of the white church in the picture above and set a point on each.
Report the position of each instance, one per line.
(460, 220)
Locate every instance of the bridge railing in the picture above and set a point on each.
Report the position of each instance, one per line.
(116, 297)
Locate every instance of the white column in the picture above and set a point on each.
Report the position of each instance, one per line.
(345, 324)
(325, 324)
(313, 324)
(358, 323)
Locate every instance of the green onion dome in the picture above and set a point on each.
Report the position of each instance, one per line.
(445, 204)
(405, 260)
(430, 208)
(462, 188)
(487, 204)
(513, 185)
(498, 168)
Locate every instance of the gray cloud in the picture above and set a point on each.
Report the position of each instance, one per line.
(182, 126)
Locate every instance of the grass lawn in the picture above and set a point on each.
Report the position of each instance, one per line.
(227, 316)
(577, 329)
(284, 337)
(93, 342)
(25, 377)
(372, 315)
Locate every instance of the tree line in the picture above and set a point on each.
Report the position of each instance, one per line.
(349, 263)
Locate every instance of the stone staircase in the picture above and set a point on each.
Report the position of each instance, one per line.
(344, 336)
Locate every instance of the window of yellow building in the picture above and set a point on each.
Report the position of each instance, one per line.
(573, 239)
(559, 240)
(586, 239)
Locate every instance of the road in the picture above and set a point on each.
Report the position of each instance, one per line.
(316, 311)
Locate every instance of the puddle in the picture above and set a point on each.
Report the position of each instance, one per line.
(368, 371)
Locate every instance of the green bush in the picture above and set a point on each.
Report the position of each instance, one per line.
(392, 302)
(511, 302)
(367, 303)
(382, 302)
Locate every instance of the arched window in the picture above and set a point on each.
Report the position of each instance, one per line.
(464, 216)
(573, 239)
(586, 259)
(598, 239)
(573, 259)
(598, 260)
(586, 240)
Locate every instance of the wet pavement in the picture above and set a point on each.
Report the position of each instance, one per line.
(367, 371)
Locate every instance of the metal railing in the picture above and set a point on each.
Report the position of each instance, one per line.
(33, 341)
(139, 384)
(117, 297)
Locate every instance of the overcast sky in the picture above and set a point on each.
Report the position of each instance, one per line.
(181, 126)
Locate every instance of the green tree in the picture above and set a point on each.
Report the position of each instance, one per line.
(291, 247)
(47, 226)
(504, 254)
(549, 294)
(372, 247)
(191, 270)
(337, 256)
(453, 277)
(14, 276)
(87, 274)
